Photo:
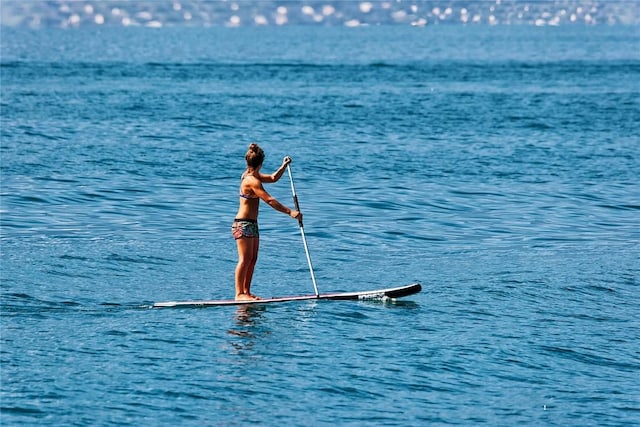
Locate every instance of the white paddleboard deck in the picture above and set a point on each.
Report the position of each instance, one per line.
(381, 294)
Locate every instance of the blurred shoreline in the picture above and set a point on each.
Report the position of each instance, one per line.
(198, 13)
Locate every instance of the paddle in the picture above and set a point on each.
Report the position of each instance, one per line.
(304, 239)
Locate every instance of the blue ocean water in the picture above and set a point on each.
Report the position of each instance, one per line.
(497, 166)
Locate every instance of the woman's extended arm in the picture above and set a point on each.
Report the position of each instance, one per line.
(274, 177)
(275, 204)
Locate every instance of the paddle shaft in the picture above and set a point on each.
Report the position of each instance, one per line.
(304, 239)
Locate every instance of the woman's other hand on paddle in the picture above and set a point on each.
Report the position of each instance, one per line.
(286, 161)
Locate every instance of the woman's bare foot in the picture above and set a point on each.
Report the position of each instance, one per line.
(246, 297)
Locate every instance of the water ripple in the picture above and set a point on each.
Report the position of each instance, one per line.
(505, 183)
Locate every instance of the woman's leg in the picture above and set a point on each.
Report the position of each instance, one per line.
(241, 267)
(247, 258)
(255, 246)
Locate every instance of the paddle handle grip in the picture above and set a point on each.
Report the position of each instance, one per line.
(295, 196)
(297, 205)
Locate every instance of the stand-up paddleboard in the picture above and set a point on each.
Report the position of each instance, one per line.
(381, 294)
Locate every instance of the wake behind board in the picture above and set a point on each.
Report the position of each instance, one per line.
(381, 294)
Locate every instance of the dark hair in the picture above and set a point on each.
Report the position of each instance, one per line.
(254, 156)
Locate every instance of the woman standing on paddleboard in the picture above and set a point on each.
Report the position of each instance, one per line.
(245, 226)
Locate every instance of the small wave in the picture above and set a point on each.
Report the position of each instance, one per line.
(47, 136)
(621, 207)
(210, 126)
(22, 410)
(138, 260)
(27, 200)
(381, 64)
(588, 358)
(20, 303)
(56, 179)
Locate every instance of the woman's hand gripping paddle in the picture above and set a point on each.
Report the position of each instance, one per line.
(304, 239)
